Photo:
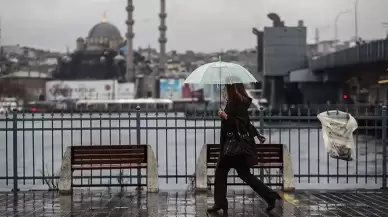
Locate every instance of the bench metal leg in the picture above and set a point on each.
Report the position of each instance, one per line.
(201, 171)
(288, 173)
(152, 171)
(65, 176)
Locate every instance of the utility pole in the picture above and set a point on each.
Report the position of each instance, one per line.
(356, 20)
(385, 26)
(1, 45)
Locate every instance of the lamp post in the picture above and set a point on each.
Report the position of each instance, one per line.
(356, 19)
(336, 25)
(385, 25)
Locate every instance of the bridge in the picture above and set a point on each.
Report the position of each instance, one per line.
(368, 54)
(355, 75)
(363, 68)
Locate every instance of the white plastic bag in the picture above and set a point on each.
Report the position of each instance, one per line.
(337, 131)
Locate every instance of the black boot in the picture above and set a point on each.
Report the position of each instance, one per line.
(271, 201)
(217, 208)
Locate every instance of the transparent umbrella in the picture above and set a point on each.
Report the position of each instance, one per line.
(220, 73)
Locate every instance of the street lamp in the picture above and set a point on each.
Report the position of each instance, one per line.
(385, 25)
(336, 24)
(356, 19)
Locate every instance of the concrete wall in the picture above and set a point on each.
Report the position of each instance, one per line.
(319, 93)
(285, 49)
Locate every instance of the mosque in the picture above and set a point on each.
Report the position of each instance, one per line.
(99, 56)
(102, 55)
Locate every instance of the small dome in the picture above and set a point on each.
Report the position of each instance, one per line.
(105, 30)
(119, 58)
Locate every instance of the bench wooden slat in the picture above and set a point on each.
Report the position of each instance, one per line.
(260, 161)
(89, 147)
(108, 156)
(213, 166)
(108, 161)
(261, 154)
(107, 151)
(110, 166)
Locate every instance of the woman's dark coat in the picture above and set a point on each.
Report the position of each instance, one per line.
(237, 114)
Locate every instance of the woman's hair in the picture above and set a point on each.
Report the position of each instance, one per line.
(236, 93)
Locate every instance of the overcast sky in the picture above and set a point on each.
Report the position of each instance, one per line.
(199, 25)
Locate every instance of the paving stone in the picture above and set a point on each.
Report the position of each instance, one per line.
(188, 204)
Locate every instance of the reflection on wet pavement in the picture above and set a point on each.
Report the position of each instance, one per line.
(241, 203)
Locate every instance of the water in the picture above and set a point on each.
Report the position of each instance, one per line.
(177, 144)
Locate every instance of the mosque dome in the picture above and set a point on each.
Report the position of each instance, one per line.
(102, 36)
(105, 30)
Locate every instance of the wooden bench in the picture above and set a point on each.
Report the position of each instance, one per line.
(108, 157)
(271, 157)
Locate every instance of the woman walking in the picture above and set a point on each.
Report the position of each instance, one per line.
(235, 121)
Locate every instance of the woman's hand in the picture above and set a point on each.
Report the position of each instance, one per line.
(222, 114)
(261, 138)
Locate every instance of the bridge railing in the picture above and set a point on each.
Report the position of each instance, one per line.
(371, 52)
(32, 146)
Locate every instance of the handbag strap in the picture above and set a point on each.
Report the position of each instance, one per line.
(238, 125)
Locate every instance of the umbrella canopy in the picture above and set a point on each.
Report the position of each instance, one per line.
(220, 73)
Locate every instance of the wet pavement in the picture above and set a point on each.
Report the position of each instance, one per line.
(185, 203)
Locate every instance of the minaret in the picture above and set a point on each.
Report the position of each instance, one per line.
(1, 49)
(316, 35)
(130, 75)
(149, 53)
(162, 38)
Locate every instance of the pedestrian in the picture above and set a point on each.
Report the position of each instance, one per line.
(235, 121)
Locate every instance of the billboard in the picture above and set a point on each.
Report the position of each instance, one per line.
(126, 91)
(86, 90)
(192, 91)
(176, 89)
(171, 89)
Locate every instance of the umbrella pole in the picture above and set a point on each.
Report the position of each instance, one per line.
(219, 58)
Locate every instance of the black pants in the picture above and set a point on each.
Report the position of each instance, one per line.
(225, 163)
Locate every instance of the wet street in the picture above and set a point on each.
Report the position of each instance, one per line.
(171, 203)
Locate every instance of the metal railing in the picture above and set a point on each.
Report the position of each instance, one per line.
(32, 146)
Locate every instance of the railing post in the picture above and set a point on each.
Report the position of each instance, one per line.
(138, 139)
(15, 152)
(384, 143)
(138, 142)
(261, 130)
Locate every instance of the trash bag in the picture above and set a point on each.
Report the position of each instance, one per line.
(337, 131)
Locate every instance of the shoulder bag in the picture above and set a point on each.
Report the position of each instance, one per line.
(241, 145)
